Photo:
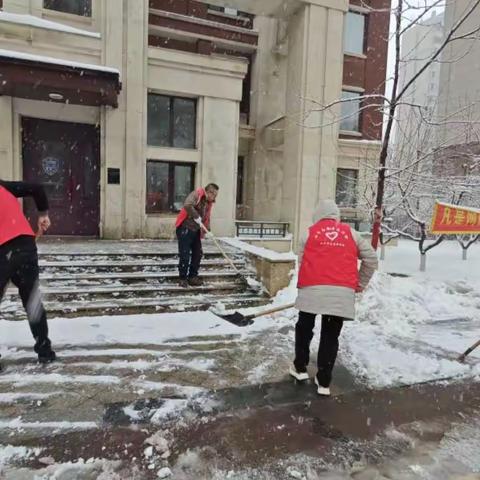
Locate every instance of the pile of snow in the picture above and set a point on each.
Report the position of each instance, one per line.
(98, 468)
(10, 454)
(412, 329)
(409, 331)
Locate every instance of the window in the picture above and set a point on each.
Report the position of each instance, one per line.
(350, 116)
(354, 33)
(171, 121)
(168, 184)
(75, 7)
(347, 181)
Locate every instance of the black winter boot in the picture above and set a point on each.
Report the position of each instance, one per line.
(44, 350)
(195, 282)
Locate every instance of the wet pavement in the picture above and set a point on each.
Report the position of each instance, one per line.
(277, 430)
(205, 403)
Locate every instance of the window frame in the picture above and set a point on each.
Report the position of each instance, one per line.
(170, 183)
(76, 15)
(364, 36)
(357, 132)
(171, 120)
(355, 193)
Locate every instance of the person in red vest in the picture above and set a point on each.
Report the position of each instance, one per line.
(327, 282)
(192, 223)
(19, 258)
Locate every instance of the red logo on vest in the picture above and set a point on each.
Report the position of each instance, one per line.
(13, 223)
(330, 256)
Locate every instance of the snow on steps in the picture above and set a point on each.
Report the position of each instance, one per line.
(128, 278)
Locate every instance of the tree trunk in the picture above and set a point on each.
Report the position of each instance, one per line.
(464, 253)
(382, 251)
(423, 262)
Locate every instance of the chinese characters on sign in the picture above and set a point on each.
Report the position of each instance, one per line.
(454, 219)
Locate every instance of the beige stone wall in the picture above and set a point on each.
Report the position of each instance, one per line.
(296, 152)
(7, 163)
(293, 158)
(113, 123)
(215, 81)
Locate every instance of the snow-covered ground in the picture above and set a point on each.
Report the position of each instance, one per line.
(412, 329)
(408, 330)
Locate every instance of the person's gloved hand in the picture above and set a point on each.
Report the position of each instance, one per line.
(198, 221)
(209, 235)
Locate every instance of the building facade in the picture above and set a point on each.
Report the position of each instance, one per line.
(122, 107)
(459, 93)
(414, 132)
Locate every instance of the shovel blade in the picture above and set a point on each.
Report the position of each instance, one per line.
(237, 319)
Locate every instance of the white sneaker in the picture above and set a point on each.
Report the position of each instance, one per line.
(324, 391)
(300, 376)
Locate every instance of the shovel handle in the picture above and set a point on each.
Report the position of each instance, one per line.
(272, 310)
(227, 258)
(462, 357)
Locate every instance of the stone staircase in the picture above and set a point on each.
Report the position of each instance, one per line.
(125, 277)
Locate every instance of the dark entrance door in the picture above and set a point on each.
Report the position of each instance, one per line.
(65, 157)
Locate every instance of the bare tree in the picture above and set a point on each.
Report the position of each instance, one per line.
(466, 241)
(406, 16)
(397, 95)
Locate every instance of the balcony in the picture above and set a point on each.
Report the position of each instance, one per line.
(202, 31)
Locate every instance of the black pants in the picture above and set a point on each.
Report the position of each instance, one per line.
(328, 349)
(19, 264)
(189, 251)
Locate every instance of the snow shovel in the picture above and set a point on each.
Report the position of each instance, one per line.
(462, 357)
(241, 320)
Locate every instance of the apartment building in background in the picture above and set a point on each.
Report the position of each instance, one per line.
(458, 134)
(415, 133)
(123, 107)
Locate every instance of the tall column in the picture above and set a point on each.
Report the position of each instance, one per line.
(315, 66)
(6, 139)
(219, 158)
(113, 122)
(16, 6)
(134, 79)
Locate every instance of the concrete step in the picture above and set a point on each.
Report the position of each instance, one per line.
(135, 276)
(116, 266)
(179, 303)
(131, 255)
(117, 277)
(117, 292)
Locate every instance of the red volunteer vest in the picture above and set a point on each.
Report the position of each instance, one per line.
(183, 215)
(330, 256)
(13, 223)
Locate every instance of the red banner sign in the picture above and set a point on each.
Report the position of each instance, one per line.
(454, 219)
